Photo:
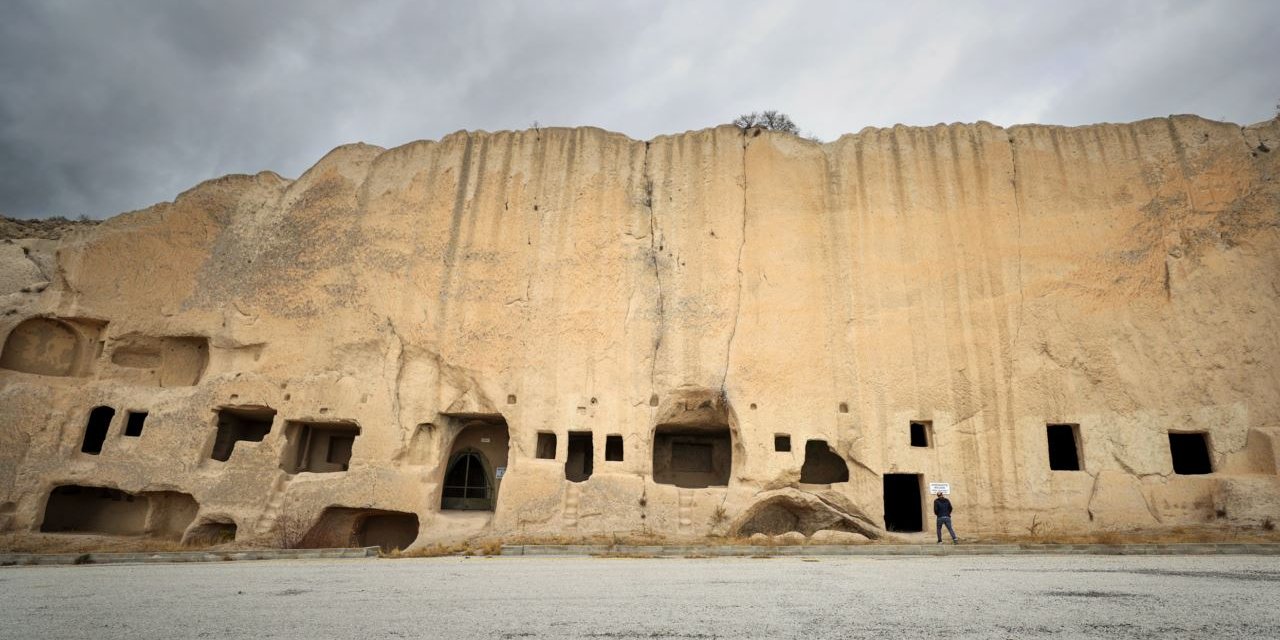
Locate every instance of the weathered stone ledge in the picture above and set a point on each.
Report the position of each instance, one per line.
(12, 559)
(895, 550)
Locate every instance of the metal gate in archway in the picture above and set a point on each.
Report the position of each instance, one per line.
(467, 484)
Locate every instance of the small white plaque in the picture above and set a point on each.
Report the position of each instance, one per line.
(499, 472)
(935, 487)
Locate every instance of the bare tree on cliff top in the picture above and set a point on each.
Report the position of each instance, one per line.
(771, 120)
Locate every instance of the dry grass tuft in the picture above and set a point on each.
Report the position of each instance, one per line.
(290, 530)
(1172, 535)
(426, 551)
(490, 547)
(84, 543)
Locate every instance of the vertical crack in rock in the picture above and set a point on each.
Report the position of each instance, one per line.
(1017, 212)
(395, 387)
(654, 249)
(733, 330)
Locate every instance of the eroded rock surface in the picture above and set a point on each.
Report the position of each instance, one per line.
(569, 333)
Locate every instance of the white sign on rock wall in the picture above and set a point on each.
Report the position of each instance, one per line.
(935, 487)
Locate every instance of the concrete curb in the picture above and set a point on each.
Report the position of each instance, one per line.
(1265, 549)
(12, 559)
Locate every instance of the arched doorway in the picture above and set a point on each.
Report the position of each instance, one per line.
(467, 483)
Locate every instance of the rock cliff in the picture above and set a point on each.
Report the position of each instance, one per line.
(567, 332)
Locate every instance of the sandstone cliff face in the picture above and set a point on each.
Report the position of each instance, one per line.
(713, 333)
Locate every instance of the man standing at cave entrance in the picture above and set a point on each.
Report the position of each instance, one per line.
(942, 511)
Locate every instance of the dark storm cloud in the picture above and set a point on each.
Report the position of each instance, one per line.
(108, 106)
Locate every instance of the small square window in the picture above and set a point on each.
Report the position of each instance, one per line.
(318, 447)
(920, 433)
(249, 423)
(546, 448)
(613, 448)
(1064, 447)
(133, 425)
(1190, 453)
(782, 442)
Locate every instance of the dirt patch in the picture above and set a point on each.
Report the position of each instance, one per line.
(1088, 594)
(1239, 576)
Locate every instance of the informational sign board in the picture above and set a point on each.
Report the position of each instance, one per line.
(935, 487)
(499, 472)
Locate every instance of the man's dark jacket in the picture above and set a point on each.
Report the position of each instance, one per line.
(942, 508)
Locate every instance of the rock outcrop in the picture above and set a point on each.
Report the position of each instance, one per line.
(567, 332)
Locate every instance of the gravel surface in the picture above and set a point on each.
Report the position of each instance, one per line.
(831, 597)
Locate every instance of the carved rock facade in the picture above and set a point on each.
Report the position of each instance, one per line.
(566, 332)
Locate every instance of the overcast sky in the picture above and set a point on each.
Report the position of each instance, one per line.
(112, 105)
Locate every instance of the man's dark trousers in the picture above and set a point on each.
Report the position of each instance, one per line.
(947, 521)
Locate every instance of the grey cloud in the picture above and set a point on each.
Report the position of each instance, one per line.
(112, 105)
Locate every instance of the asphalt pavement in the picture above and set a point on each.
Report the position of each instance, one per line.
(530, 597)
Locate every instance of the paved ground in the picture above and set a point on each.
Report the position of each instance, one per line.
(832, 597)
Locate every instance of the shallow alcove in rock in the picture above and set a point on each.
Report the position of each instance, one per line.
(783, 510)
(211, 532)
(108, 511)
(352, 527)
(822, 465)
(318, 447)
(52, 346)
(247, 423)
(162, 361)
(693, 443)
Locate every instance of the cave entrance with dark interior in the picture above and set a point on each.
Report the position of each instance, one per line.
(692, 457)
(782, 443)
(248, 423)
(822, 465)
(545, 449)
(477, 458)
(77, 509)
(389, 530)
(920, 433)
(903, 504)
(351, 527)
(108, 511)
(1064, 447)
(466, 483)
(133, 423)
(1190, 453)
(692, 441)
(319, 447)
(95, 430)
(580, 461)
(211, 532)
(613, 448)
